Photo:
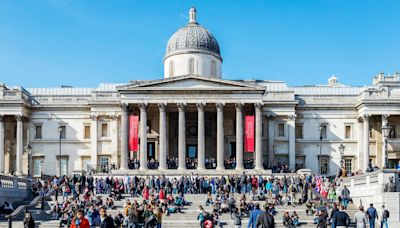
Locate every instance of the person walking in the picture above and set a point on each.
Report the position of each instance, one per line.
(372, 215)
(385, 216)
(341, 219)
(253, 216)
(361, 218)
(345, 196)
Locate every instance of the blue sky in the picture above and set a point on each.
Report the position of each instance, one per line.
(84, 43)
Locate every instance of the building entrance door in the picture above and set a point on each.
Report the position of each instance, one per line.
(191, 154)
(151, 150)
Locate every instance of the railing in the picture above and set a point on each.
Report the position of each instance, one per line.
(24, 208)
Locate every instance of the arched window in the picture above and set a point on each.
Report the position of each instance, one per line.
(213, 68)
(191, 66)
(171, 68)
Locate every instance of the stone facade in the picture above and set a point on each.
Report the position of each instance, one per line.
(194, 113)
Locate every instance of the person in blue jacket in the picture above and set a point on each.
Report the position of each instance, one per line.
(253, 216)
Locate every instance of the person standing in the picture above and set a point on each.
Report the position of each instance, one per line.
(253, 216)
(372, 215)
(361, 218)
(105, 220)
(385, 216)
(28, 221)
(79, 221)
(341, 219)
(345, 196)
(265, 219)
(237, 218)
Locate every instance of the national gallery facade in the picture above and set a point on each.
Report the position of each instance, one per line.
(193, 114)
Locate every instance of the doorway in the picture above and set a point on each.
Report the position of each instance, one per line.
(151, 150)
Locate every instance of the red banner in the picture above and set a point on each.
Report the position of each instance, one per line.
(133, 133)
(249, 134)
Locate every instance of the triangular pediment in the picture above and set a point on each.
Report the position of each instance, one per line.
(190, 82)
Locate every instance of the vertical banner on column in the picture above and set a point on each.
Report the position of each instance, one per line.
(133, 133)
(249, 134)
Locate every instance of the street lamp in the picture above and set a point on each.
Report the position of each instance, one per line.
(320, 147)
(341, 150)
(60, 129)
(386, 131)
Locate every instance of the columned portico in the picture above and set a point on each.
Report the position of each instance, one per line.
(124, 137)
(143, 136)
(366, 141)
(181, 136)
(258, 132)
(239, 136)
(220, 135)
(1, 145)
(200, 136)
(19, 145)
(163, 136)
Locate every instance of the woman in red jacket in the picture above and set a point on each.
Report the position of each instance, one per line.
(79, 221)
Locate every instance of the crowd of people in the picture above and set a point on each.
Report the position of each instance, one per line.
(240, 196)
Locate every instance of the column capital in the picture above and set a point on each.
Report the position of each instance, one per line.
(220, 106)
(239, 106)
(181, 106)
(19, 118)
(113, 116)
(258, 105)
(93, 117)
(365, 117)
(385, 117)
(143, 106)
(124, 107)
(271, 116)
(201, 106)
(162, 106)
(292, 117)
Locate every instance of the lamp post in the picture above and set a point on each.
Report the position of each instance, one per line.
(341, 150)
(60, 129)
(386, 131)
(320, 147)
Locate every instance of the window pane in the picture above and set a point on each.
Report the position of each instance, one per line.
(348, 132)
(299, 131)
(104, 130)
(348, 165)
(63, 132)
(324, 165)
(87, 132)
(64, 166)
(37, 168)
(191, 66)
(281, 130)
(38, 132)
(323, 132)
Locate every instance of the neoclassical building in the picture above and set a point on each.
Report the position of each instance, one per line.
(194, 113)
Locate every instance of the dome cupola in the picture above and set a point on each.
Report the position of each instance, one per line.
(192, 50)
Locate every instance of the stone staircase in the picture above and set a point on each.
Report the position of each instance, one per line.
(186, 219)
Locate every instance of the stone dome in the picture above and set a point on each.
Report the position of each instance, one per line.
(192, 38)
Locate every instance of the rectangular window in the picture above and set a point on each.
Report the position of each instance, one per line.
(104, 163)
(63, 133)
(64, 166)
(348, 132)
(86, 133)
(281, 130)
(392, 133)
(38, 131)
(348, 165)
(104, 130)
(299, 131)
(324, 164)
(191, 66)
(37, 166)
(86, 164)
(323, 131)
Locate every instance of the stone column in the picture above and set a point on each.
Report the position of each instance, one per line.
(2, 145)
(366, 141)
(292, 142)
(239, 136)
(220, 135)
(384, 122)
(360, 144)
(181, 136)
(114, 138)
(20, 147)
(201, 143)
(93, 141)
(163, 136)
(271, 138)
(143, 136)
(124, 137)
(258, 136)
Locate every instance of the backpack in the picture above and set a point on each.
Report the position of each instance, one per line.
(386, 214)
